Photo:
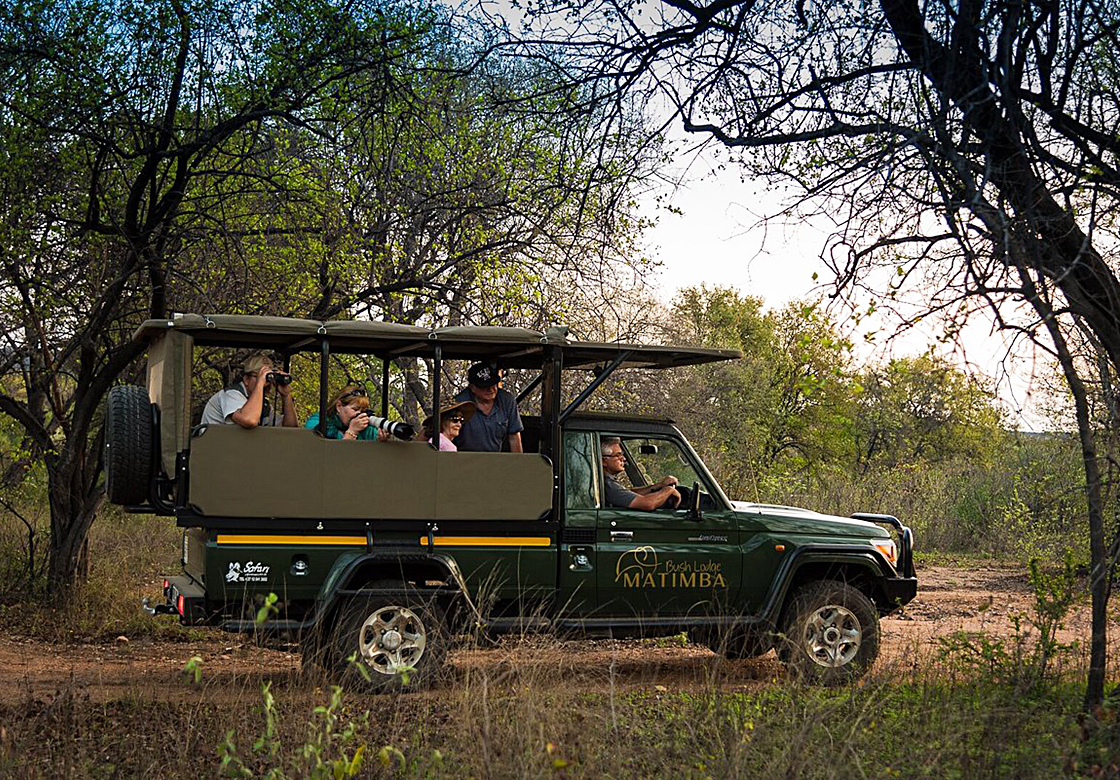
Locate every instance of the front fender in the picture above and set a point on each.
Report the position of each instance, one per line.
(870, 561)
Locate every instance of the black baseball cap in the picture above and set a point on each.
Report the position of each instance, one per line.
(483, 375)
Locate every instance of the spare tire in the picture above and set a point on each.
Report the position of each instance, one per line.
(128, 445)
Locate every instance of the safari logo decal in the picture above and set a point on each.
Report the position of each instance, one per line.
(641, 568)
(247, 572)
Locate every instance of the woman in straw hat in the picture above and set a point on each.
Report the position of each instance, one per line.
(451, 419)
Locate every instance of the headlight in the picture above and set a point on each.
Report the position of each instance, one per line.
(889, 549)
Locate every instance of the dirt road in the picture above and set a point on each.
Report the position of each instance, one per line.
(977, 597)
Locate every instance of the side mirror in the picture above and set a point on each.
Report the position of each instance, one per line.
(694, 511)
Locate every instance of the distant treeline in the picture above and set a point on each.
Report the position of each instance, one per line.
(798, 420)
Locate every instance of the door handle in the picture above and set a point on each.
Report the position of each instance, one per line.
(621, 536)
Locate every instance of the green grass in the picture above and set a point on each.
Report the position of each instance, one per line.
(917, 728)
(128, 557)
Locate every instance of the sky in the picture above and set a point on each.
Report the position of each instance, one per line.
(716, 240)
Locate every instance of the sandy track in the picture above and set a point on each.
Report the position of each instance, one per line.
(979, 597)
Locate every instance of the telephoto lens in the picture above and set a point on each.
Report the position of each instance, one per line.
(279, 379)
(401, 430)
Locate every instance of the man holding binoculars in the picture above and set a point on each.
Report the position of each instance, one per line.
(245, 404)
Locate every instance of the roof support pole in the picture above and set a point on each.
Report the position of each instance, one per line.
(437, 371)
(529, 388)
(324, 362)
(385, 387)
(551, 375)
(606, 372)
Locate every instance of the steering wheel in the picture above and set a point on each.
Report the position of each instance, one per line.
(686, 494)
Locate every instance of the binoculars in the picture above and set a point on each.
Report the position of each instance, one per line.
(278, 379)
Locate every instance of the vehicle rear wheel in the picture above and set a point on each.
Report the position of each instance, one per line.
(396, 639)
(128, 445)
(830, 633)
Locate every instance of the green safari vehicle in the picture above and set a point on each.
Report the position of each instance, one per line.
(437, 543)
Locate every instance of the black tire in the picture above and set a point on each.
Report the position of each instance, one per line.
(414, 645)
(830, 634)
(128, 445)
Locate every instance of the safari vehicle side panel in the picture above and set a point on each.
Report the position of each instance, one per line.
(292, 473)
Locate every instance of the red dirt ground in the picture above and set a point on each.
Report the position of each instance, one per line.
(974, 597)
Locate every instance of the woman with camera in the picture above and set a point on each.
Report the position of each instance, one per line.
(348, 419)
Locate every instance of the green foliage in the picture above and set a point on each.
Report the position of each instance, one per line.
(924, 410)
(781, 412)
(1028, 656)
(192, 669)
(267, 610)
(795, 422)
(323, 755)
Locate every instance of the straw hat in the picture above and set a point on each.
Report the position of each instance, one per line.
(465, 408)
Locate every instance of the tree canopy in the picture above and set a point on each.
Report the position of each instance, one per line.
(308, 158)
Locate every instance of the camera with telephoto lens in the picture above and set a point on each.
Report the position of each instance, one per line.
(401, 430)
(274, 378)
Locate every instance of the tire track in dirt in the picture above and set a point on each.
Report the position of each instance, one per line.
(978, 597)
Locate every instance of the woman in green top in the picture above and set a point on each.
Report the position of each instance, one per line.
(348, 421)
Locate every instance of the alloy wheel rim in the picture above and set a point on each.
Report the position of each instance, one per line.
(832, 636)
(392, 639)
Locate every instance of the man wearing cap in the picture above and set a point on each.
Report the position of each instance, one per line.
(244, 404)
(496, 419)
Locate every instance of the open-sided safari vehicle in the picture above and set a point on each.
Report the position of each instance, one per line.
(378, 552)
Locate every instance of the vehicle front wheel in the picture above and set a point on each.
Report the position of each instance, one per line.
(830, 633)
(386, 641)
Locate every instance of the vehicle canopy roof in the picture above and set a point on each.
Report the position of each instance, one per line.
(513, 347)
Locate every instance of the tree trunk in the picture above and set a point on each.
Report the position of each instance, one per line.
(72, 514)
(1100, 570)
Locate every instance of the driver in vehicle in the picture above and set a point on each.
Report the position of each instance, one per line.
(244, 404)
(648, 497)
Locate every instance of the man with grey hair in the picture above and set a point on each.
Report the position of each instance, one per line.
(647, 497)
(244, 404)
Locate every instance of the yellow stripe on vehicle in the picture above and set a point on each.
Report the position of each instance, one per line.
(489, 541)
(265, 539)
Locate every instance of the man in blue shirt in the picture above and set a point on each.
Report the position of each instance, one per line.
(649, 497)
(496, 419)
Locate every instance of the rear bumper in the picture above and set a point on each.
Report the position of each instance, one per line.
(186, 598)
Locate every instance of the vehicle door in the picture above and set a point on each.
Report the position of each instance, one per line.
(580, 499)
(664, 562)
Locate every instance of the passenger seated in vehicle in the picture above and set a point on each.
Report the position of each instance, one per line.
(647, 497)
(348, 419)
(244, 404)
(451, 421)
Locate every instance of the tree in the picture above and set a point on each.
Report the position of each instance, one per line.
(923, 410)
(967, 148)
(125, 107)
(778, 416)
(300, 159)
